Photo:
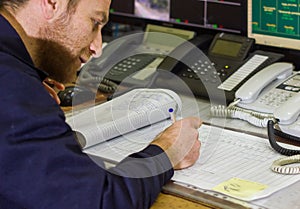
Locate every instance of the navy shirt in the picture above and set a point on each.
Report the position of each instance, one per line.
(41, 165)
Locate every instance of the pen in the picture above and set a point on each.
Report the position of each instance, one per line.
(173, 116)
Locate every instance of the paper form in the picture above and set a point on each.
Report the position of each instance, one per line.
(236, 155)
(224, 155)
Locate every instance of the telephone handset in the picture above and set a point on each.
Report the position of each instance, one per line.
(269, 89)
(250, 90)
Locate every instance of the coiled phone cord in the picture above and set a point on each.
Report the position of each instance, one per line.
(255, 118)
(103, 84)
(278, 166)
(272, 132)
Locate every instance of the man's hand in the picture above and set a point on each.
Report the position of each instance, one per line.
(180, 142)
(48, 82)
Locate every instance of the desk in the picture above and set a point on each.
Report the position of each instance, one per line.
(197, 107)
(167, 201)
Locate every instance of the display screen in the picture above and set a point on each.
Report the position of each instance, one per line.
(275, 22)
(222, 15)
(228, 48)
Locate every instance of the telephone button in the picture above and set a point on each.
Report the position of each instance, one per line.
(115, 73)
(184, 75)
(190, 76)
(288, 88)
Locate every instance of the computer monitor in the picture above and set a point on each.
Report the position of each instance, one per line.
(274, 23)
(196, 15)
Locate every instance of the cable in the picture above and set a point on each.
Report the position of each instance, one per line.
(107, 86)
(278, 166)
(103, 84)
(275, 145)
(286, 135)
(255, 118)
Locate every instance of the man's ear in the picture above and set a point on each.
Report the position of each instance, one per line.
(50, 8)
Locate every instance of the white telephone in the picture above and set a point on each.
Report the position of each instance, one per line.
(275, 90)
(271, 94)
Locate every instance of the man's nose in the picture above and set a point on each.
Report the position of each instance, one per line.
(96, 46)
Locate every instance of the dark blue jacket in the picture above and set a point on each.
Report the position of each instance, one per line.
(41, 165)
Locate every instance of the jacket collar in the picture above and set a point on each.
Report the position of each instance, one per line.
(12, 44)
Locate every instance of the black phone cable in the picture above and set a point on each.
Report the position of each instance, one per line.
(275, 145)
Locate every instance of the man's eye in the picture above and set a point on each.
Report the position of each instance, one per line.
(96, 24)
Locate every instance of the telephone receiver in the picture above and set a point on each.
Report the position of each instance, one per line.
(250, 90)
(289, 111)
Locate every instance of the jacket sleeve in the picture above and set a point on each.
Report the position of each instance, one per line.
(42, 165)
(55, 174)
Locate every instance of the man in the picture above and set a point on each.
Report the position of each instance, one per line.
(41, 164)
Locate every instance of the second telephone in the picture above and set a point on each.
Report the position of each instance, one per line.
(229, 63)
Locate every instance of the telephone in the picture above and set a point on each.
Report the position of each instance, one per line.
(274, 90)
(229, 63)
(272, 94)
(139, 68)
(139, 64)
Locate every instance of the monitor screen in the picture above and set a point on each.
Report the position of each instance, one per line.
(275, 23)
(197, 15)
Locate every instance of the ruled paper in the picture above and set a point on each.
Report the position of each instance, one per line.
(224, 155)
(227, 154)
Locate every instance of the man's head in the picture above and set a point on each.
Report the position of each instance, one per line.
(60, 35)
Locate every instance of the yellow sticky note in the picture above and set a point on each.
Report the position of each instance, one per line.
(239, 188)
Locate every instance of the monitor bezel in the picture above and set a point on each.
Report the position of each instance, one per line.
(129, 19)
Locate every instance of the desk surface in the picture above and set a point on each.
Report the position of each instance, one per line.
(172, 202)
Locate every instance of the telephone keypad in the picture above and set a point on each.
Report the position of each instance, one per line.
(275, 98)
(204, 70)
(282, 93)
(129, 66)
